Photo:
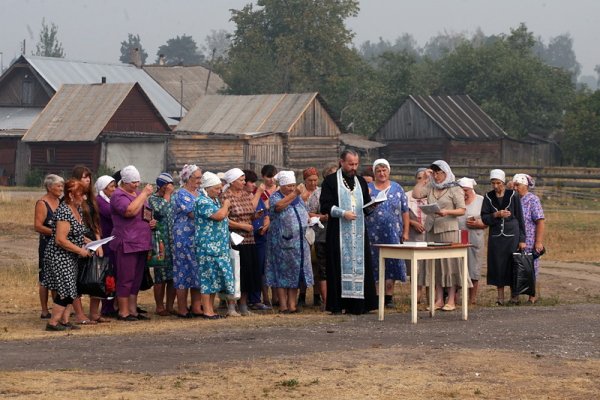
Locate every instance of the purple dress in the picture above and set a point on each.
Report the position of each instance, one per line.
(532, 212)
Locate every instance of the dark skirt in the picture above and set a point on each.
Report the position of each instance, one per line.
(499, 260)
(250, 273)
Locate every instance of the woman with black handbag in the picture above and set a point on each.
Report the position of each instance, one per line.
(62, 255)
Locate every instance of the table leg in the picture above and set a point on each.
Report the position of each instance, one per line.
(431, 269)
(465, 288)
(381, 286)
(414, 278)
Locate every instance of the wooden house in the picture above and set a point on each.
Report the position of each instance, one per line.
(368, 150)
(455, 129)
(101, 124)
(291, 131)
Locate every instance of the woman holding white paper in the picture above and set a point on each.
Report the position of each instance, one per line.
(389, 223)
(441, 189)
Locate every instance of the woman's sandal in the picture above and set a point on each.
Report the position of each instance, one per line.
(499, 302)
(86, 322)
(100, 320)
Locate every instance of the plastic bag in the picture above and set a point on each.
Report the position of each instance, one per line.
(156, 256)
(95, 276)
(147, 281)
(523, 274)
(235, 263)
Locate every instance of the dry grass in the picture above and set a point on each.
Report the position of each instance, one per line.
(366, 374)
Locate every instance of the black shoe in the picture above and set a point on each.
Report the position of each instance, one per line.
(69, 325)
(141, 311)
(197, 315)
(56, 328)
(45, 316)
(129, 318)
(111, 314)
(186, 315)
(302, 300)
(142, 317)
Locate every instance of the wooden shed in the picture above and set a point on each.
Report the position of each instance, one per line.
(292, 131)
(455, 129)
(100, 124)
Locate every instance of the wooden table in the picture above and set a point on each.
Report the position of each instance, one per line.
(414, 254)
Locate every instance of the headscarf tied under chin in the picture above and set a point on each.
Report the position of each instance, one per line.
(186, 172)
(450, 179)
(232, 175)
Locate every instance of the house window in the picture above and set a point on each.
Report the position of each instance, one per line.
(50, 155)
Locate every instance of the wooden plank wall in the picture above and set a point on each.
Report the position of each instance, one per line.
(8, 157)
(215, 155)
(304, 152)
(136, 114)
(315, 121)
(468, 152)
(264, 150)
(414, 151)
(67, 155)
(11, 92)
(409, 122)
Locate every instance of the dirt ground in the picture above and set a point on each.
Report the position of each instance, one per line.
(547, 351)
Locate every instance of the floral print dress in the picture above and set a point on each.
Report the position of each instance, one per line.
(384, 226)
(532, 212)
(163, 214)
(185, 267)
(212, 248)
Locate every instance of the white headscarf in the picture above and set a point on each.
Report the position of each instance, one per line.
(209, 179)
(450, 178)
(381, 161)
(285, 178)
(186, 172)
(524, 179)
(232, 175)
(466, 183)
(101, 184)
(498, 174)
(130, 174)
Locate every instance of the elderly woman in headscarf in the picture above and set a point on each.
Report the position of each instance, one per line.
(533, 216)
(212, 244)
(105, 187)
(501, 211)
(185, 267)
(288, 253)
(43, 223)
(160, 202)
(132, 225)
(441, 188)
(471, 223)
(241, 215)
(388, 224)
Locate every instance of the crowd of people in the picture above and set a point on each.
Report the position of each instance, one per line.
(249, 244)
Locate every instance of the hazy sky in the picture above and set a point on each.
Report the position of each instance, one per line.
(93, 29)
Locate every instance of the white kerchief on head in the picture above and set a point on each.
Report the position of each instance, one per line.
(498, 174)
(521, 179)
(467, 183)
(233, 174)
(103, 182)
(381, 161)
(209, 179)
(186, 172)
(130, 174)
(285, 178)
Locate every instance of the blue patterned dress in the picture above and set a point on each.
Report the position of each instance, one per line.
(185, 268)
(163, 214)
(384, 226)
(288, 253)
(212, 248)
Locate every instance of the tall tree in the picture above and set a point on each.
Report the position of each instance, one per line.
(218, 41)
(560, 54)
(180, 50)
(128, 47)
(581, 141)
(48, 44)
(293, 46)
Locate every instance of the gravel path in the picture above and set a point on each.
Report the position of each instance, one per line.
(571, 332)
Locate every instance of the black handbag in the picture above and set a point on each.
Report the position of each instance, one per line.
(523, 274)
(93, 275)
(147, 281)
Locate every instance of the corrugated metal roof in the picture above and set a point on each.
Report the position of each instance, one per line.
(460, 117)
(59, 71)
(247, 115)
(78, 112)
(18, 117)
(194, 81)
(360, 142)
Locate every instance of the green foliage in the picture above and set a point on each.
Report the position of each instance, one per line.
(581, 142)
(128, 47)
(48, 44)
(34, 178)
(103, 169)
(181, 50)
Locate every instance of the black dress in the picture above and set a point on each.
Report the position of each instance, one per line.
(504, 235)
(335, 302)
(44, 239)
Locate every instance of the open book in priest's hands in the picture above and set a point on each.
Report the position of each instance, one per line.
(381, 197)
